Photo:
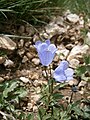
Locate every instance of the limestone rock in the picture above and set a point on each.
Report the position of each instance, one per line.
(36, 83)
(24, 79)
(73, 18)
(21, 52)
(88, 38)
(78, 51)
(1, 79)
(2, 60)
(74, 63)
(9, 63)
(62, 53)
(72, 82)
(36, 61)
(82, 84)
(7, 43)
(25, 59)
(29, 55)
(21, 43)
(21, 29)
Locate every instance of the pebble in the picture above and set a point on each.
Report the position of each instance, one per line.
(72, 18)
(8, 63)
(33, 75)
(21, 29)
(77, 50)
(36, 97)
(7, 43)
(36, 83)
(21, 52)
(74, 63)
(25, 59)
(29, 106)
(29, 55)
(36, 61)
(35, 108)
(21, 43)
(24, 79)
(1, 79)
(82, 84)
(62, 53)
(88, 38)
(56, 58)
(69, 46)
(72, 82)
(2, 60)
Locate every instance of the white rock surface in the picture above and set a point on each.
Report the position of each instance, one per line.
(21, 43)
(2, 60)
(53, 29)
(73, 18)
(77, 51)
(24, 79)
(21, 52)
(7, 43)
(1, 79)
(25, 59)
(88, 38)
(72, 82)
(82, 84)
(36, 61)
(74, 63)
(62, 53)
(8, 63)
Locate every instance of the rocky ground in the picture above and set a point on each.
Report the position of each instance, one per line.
(19, 60)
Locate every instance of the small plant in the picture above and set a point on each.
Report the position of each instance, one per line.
(83, 70)
(11, 93)
(52, 105)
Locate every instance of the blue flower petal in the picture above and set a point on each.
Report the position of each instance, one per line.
(64, 64)
(60, 78)
(37, 44)
(69, 72)
(59, 74)
(42, 47)
(46, 57)
(52, 48)
(47, 42)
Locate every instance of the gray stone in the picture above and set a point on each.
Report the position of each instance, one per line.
(25, 59)
(2, 60)
(74, 63)
(21, 43)
(78, 51)
(36, 61)
(24, 79)
(1, 79)
(73, 18)
(8, 63)
(7, 43)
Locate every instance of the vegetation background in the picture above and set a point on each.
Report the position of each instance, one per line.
(39, 11)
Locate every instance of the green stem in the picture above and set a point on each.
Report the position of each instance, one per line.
(45, 68)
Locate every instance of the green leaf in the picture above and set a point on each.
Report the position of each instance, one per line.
(77, 110)
(47, 117)
(87, 59)
(30, 116)
(57, 96)
(81, 70)
(21, 92)
(9, 89)
(61, 85)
